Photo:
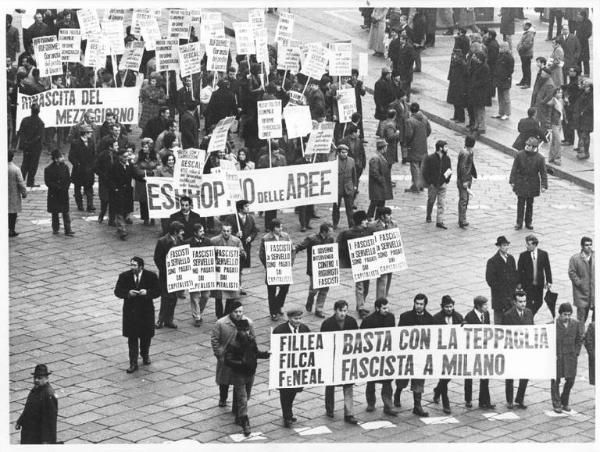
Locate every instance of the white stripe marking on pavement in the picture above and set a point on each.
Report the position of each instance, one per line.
(375, 425)
(440, 420)
(306, 431)
(239, 437)
(508, 416)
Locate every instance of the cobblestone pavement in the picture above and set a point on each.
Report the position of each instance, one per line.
(62, 312)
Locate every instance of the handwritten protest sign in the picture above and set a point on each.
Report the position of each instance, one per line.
(340, 58)
(66, 107)
(285, 26)
(315, 62)
(94, 55)
(211, 26)
(179, 269)
(260, 42)
(218, 139)
(189, 165)
(256, 17)
(150, 32)
(118, 15)
(346, 104)
(279, 262)
(227, 267)
(288, 59)
(113, 33)
(269, 119)
(203, 267)
(363, 258)
(297, 120)
(167, 56)
(390, 251)
(139, 16)
(88, 22)
(320, 139)
(296, 98)
(427, 352)
(180, 21)
(218, 53)
(48, 55)
(70, 44)
(190, 57)
(132, 58)
(244, 38)
(325, 265)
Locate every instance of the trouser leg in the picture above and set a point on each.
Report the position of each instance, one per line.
(431, 196)
(520, 210)
(271, 291)
(463, 202)
(12, 221)
(335, 215)
(145, 346)
(383, 285)
(321, 297)
(241, 400)
(329, 399)
(582, 314)
(444, 392)
(66, 221)
(441, 203)
(121, 224)
(280, 299)
(484, 392)
(521, 390)
(370, 393)
(468, 386)
(132, 343)
(528, 211)
(555, 392)
(348, 203)
(564, 398)
(78, 196)
(526, 69)
(195, 305)
(219, 307)
(55, 222)
(360, 292)
(348, 399)
(386, 394)
(415, 174)
(286, 398)
(223, 392)
(508, 390)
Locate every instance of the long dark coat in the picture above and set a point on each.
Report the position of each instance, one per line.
(242, 360)
(138, 311)
(583, 113)
(83, 159)
(416, 133)
(383, 96)
(57, 179)
(457, 86)
(38, 420)
(505, 66)
(503, 279)
(121, 190)
(568, 346)
(380, 179)
(478, 85)
(528, 127)
(528, 172)
(223, 334)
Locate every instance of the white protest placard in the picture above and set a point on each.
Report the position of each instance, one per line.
(94, 55)
(269, 119)
(167, 55)
(150, 32)
(288, 58)
(320, 139)
(346, 99)
(179, 269)
(390, 251)
(88, 22)
(363, 65)
(140, 15)
(256, 17)
(180, 22)
(232, 179)
(363, 258)
(189, 165)
(261, 44)
(218, 139)
(48, 55)
(132, 58)
(325, 265)
(227, 267)
(67, 106)
(279, 262)
(244, 38)
(296, 98)
(203, 267)
(297, 120)
(190, 56)
(211, 21)
(113, 32)
(196, 17)
(340, 58)
(118, 15)
(70, 44)
(210, 199)
(217, 51)
(285, 26)
(315, 63)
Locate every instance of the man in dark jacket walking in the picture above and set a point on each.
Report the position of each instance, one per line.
(465, 173)
(82, 156)
(502, 277)
(38, 420)
(383, 94)
(138, 288)
(31, 137)
(58, 180)
(188, 127)
(436, 173)
(222, 104)
(416, 133)
(527, 174)
(121, 192)
(583, 119)
(380, 318)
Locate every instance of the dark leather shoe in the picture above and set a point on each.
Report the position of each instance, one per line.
(390, 412)
(132, 368)
(557, 410)
(69, 233)
(529, 226)
(428, 219)
(330, 414)
(463, 225)
(447, 410)
(128, 221)
(350, 420)
(13, 233)
(287, 423)
(171, 325)
(146, 360)
(159, 325)
(470, 405)
(319, 314)
(487, 406)
(222, 403)
(510, 405)
(397, 403)
(420, 412)
(518, 227)
(243, 292)
(441, 226)
(566, 408)
(294, 419)
(91, 209)
(370, 408)
(521, 406)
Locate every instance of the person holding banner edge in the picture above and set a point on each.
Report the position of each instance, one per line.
(198, 299)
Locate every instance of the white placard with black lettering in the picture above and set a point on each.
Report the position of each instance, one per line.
(118, 15)
(48, 55)
(189, 166)
(150, 33)
(210, 26)
(279, 262)
(256, 17)
(190, 56)
(340, 58)
(227, 267)
(269, 119)
(114, 35)
(88, 22)
(288, 58)
(167, 55)
(244, 38)
(390, 251)
(260, 42)
(325, 265)
(320, 139)
(180, 21)
(94, 54)
(315, 63)
(217, 52)
(132, 58)
(346, 104)
(179, 269)
(218, 139)
(363, 258)
(285, 26)
(140, 15)
(70, 44)
(203, 267)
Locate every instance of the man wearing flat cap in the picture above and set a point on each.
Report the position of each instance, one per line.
(347, 185)
(294, 325)
(380, 179)
(528, 174)
(38, 420)
(502, 277)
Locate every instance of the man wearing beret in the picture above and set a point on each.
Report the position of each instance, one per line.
(294, 325)
(502, 277)
(527, 175)
(38, 420)
(380, 179)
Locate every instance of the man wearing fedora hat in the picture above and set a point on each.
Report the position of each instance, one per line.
(502, 277)
(38, 420)
(380, 179)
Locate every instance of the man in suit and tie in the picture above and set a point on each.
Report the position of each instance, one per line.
(184, 99)
(187, 217)
(244, 228)
(294, 325)
(478, 316)
(519, 314)
(502, 277)
(138, 287)
(534, 273)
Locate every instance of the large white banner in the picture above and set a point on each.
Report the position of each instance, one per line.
(70, 44)
(279, 262)
(66, 107)
(297, 120)
(48, 55)
(269, 119)
(340, 58)
(325, 265)
(190, 56)
(179, 269)
(167, 55)
(427, 352)
(244, 38)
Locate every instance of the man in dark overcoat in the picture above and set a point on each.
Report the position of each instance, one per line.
(82, 156)
(58, 180)
(527, 175)
(380, 179)
(502, 277)
(416, 133)
(31, 137)
(120, 190)
(436, 174)
(383, 94)
(138, 288)
(478, 92)
(38, 420)
(246, 234)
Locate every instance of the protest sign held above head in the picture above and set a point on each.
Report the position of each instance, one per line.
(296, 98)
(390, 251)
(217, 52)
(190, 56)
(94, 52)
(315, 63)
(114, 35)
(269, 119)
(260, 42)
(150, 32)
(88, 22)
(179, 269)
(297, 120)
(167, 55)
(118, 15)
(325, 265)
(140, 15)
(70, 44)
(346, 104)
(211, 26)
(218, 139)
(244, 38)
(279, 262)
(256, 17)
(288, 58)
(189, 167)
(285, 26)
(48, 55)
(320, 139)
(180, 22)
(132, 58)
(340, 58)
